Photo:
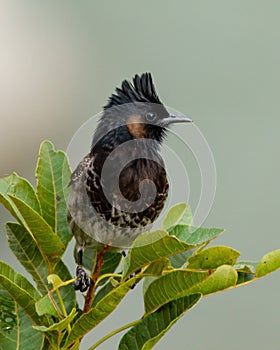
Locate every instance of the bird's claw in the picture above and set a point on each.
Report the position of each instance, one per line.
(83, 281)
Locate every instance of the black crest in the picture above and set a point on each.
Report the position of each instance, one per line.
(141, 90)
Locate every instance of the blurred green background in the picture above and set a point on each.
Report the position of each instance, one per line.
(217, 61)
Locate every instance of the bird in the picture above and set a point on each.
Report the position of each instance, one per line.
(120, 187)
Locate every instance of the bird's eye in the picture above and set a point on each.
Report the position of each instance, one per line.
(150, 116)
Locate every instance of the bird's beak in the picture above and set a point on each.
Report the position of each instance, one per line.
(177, 118)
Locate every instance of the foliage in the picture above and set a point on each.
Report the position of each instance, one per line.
(177, 268)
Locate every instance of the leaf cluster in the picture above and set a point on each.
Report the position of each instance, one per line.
(176, 264)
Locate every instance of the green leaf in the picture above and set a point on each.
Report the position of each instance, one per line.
(68, 297)
(191, 235)
(246, 270)
(8, 317)
(21, 188)
(244, 277)
(180, 260)
(147, 281)
(246, 266)
(15, 326)
(104, 290)
(153, 327)
(44, 306)
(68, 293)
(100, 311)
(47, 241)
(59, 326)
(26, 251)
(269, 263)
(111, 260)
(149, 247)
(224, 277)
(55, 280)
(47, 345)
(179, 214)
(213, 257)
(195, 235)
(21, 290)
(156, 267)
(181, 282)
(53, 176)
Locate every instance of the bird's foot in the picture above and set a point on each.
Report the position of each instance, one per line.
(83, 281)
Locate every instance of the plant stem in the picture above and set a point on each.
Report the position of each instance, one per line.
(54, 304)
(61, 303)
(62, 307)
(95, 274)
(102, 340)
(106, 276)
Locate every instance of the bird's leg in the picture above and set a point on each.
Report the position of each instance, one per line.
(80, 257)
(82, 282)
(95, 274)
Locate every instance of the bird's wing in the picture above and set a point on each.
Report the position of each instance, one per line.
(80, 169)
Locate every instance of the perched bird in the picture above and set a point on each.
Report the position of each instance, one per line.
(120, 187)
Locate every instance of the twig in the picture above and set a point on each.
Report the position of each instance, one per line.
(94, 277)
(129, 325)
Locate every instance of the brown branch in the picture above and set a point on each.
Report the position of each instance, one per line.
(95, 274)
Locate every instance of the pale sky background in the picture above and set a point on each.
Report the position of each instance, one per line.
(217, 61)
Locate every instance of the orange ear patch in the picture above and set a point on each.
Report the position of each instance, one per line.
(136, 127)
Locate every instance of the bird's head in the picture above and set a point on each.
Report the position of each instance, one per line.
(134, 111)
